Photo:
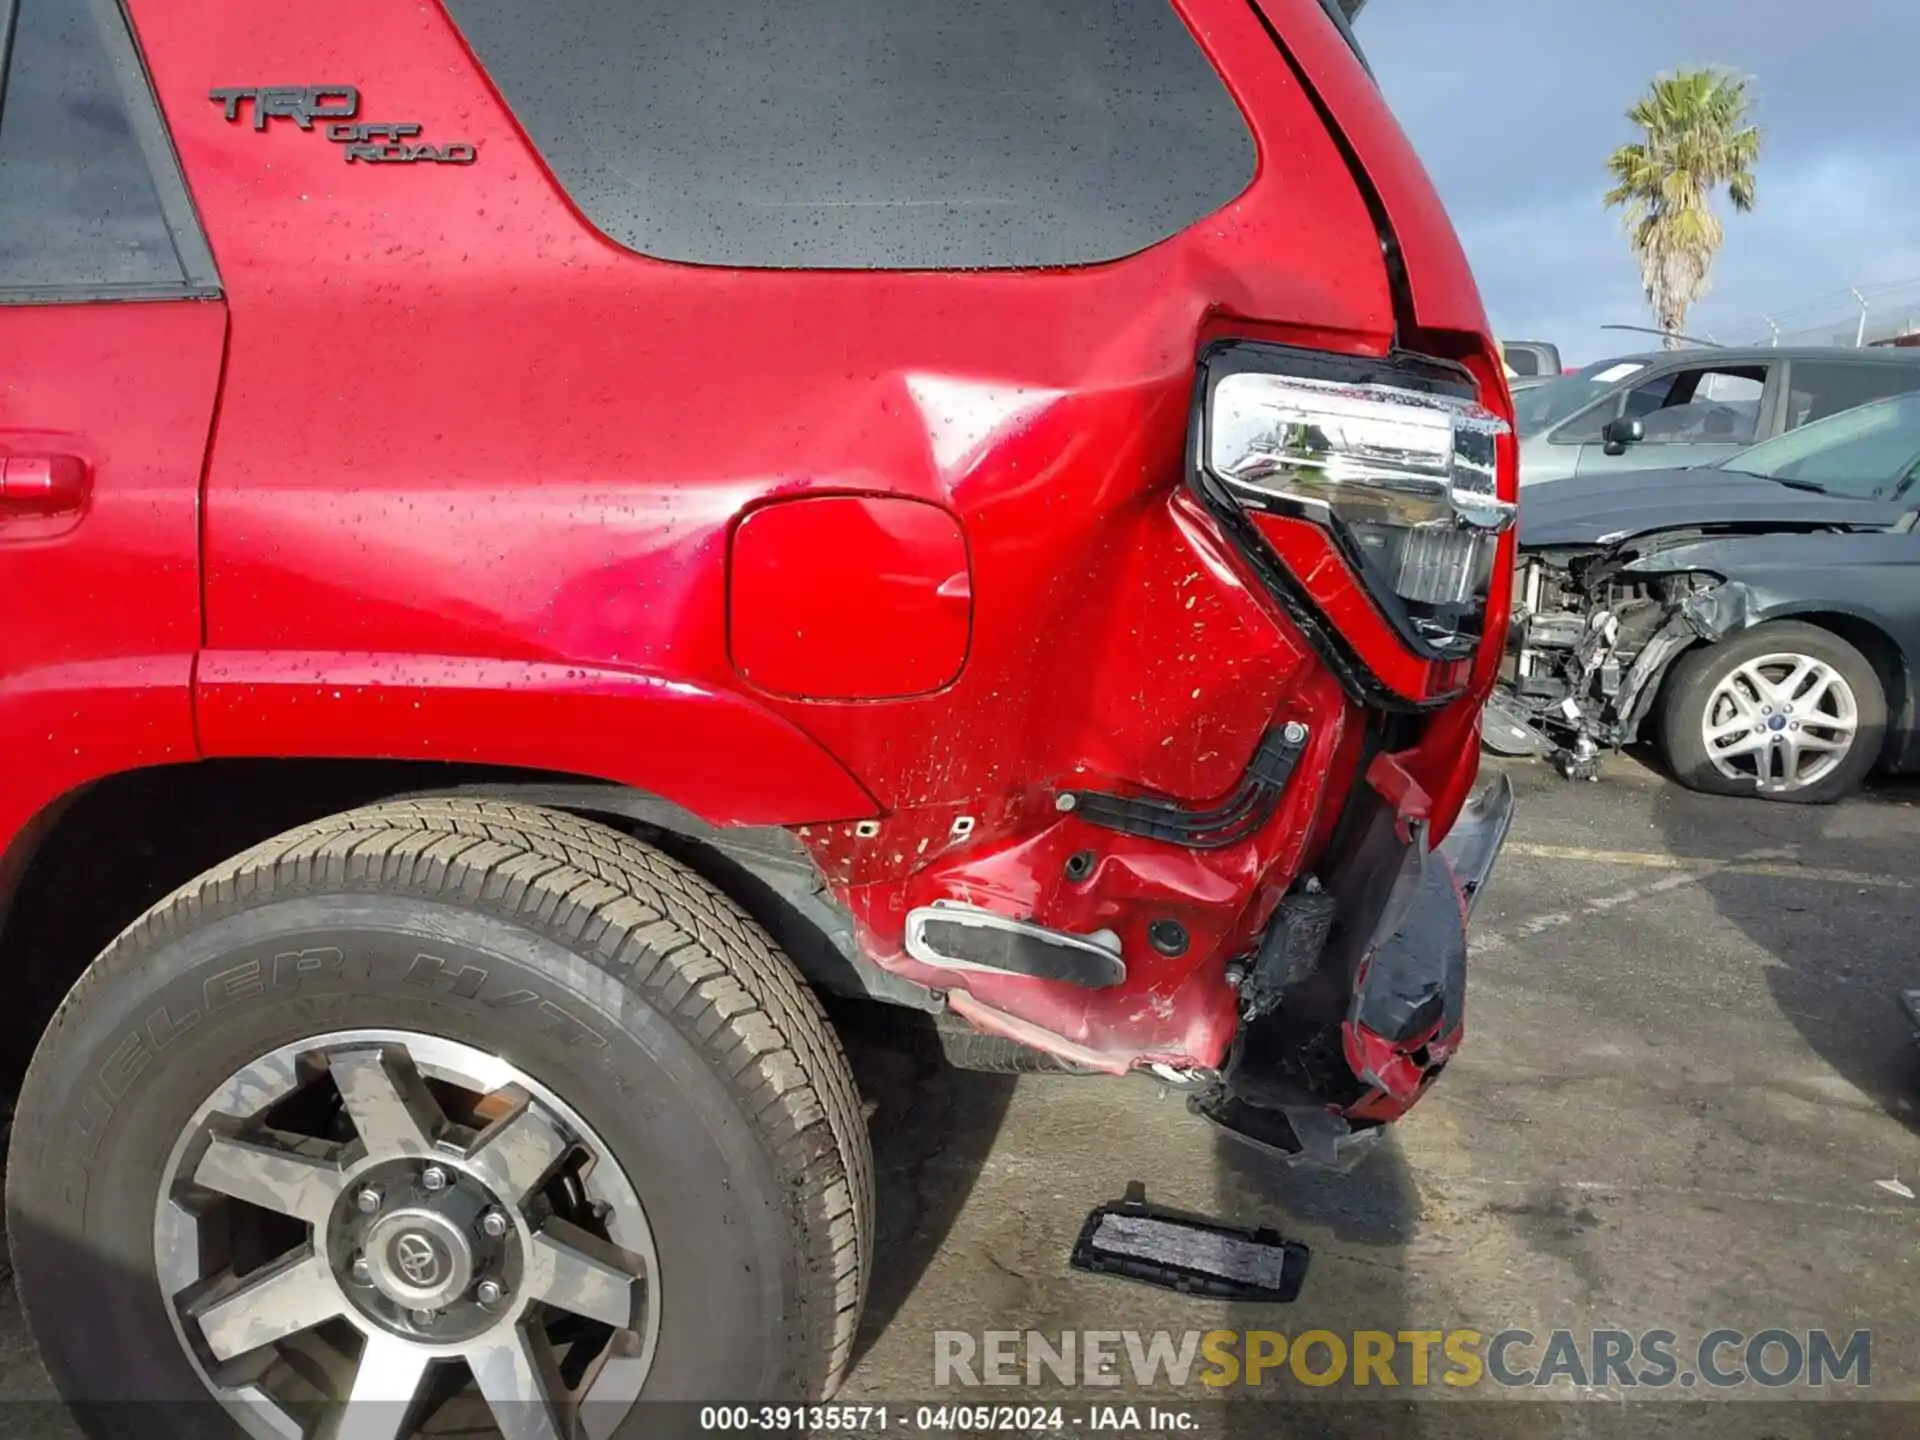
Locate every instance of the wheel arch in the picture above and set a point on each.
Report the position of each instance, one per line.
(712, 751)
(94, 858)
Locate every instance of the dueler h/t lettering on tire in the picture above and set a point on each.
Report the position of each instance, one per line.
(432, 1087)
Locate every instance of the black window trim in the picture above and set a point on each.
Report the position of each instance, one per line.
(200, 278)
(1345, 26)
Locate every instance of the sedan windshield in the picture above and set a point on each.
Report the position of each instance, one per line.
(1541, 407)
(1868, 451)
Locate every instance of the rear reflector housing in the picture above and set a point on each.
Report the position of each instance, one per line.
(1395, 461)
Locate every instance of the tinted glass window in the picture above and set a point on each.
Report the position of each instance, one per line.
(79, 209)
(1867, 451)
(1565, 395)
(888, 134)
(1822, 387)
(1711, 407)
(1541, 406)
(1705, 406)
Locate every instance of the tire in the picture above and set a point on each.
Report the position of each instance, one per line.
(615, 980)
(1695, 683)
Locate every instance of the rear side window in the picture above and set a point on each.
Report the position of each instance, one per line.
(870, 134)
(91, 204)
(1819, 388)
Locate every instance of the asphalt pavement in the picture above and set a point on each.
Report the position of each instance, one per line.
(1685, 1074)
(1684, 1082)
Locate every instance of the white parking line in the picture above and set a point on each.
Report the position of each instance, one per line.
(1761, 863)
(1687, 871)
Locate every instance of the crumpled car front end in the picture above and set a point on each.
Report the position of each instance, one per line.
(1593, 633)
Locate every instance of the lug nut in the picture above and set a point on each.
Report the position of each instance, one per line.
(490, 1292)
(362, 1271)
(493, 1224)
(368, 1200)
(435, 1178)
(423, 1318)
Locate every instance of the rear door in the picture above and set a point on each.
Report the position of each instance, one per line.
(110, 349)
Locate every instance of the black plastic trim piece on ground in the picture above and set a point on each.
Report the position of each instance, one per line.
(1275, 1270)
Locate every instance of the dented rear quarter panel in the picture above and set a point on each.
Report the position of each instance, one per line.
(476, 470)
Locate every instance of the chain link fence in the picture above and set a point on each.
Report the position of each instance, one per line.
(1881, 314)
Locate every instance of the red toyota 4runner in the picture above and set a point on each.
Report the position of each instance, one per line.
(540, 536)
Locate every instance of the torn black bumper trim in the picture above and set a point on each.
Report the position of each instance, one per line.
(1250, 805)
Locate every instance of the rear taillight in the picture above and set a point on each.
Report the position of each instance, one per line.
(1395, 461)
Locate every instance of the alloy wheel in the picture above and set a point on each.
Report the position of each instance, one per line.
(1785, 721)
(383, 1219)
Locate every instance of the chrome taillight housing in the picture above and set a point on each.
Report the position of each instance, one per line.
(1397, 461)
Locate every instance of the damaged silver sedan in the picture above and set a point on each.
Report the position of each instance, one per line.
(1759, 619)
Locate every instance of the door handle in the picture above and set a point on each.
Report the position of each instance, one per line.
(43, 484)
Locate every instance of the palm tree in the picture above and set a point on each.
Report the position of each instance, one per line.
(1697, 140)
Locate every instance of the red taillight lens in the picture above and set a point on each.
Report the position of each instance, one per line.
(1395, 461)
(1408, 475)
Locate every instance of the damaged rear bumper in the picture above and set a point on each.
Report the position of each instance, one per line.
(1356, 1043)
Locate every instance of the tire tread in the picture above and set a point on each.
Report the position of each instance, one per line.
(654, 927)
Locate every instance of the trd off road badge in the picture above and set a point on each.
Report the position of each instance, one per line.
(335, 109)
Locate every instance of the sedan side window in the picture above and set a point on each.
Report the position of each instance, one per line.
(1705, 406)
(1826, 387)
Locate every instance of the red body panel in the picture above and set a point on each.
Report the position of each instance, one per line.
(479, 471)
(102, 602)
(1444, 295)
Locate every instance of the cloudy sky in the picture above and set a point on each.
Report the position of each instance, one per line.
(1515, 105)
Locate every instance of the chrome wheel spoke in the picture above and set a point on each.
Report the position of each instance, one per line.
(386, 1384)
(294, 1294)
(1741, 697)
(1840, 740)
(1739, 725)
(289, 1182)
(1789, 749)
(391, 1110)
(1787, 689)
(575, 1271)
(1746, 743)
(517, 1153)
(1822, 686)
(522, 1387)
